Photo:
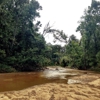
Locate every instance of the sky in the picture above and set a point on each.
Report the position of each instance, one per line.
(63, 15)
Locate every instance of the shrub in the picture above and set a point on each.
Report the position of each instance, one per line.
(97, 69)
(64, 61)
(98, 58)
(6, 69)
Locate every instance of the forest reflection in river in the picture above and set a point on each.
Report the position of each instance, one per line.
(18, 81)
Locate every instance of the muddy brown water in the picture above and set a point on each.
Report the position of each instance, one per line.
(18, 81)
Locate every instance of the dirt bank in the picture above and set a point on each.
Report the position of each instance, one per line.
(89, 90)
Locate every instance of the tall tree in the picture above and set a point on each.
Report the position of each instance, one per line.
(74, 52)
(90, 30)
(19, 38)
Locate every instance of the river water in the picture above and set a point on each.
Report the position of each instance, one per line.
(18, 81)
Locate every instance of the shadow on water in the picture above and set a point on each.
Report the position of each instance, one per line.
(18, 81)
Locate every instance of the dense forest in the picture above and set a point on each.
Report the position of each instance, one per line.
(23, 47)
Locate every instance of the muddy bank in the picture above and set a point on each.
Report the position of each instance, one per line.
(87, 90)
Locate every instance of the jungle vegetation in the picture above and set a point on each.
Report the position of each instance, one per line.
(23, 47)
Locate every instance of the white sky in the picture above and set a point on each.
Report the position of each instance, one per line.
(63, 14)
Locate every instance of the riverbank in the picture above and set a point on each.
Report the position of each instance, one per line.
(87, 90)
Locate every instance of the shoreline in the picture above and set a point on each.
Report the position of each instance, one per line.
(89, 90)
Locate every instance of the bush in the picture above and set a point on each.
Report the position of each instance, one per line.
(6, 69)
(98, 58)
(97, 69)
(64, 61)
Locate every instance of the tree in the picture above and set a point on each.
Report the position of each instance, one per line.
(19, 38)
(57, 34)
(74, 52)
(90, 30)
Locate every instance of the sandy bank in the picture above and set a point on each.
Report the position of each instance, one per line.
(89, 90)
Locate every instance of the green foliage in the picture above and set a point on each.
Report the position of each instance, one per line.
(57, 53)
(96, 69)
(90, 30)
(98, 58)
(21, 47)
(6, 68)
(74, 52)
(2, 54)
(64, 61)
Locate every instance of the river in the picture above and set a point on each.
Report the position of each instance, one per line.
(22, 80)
